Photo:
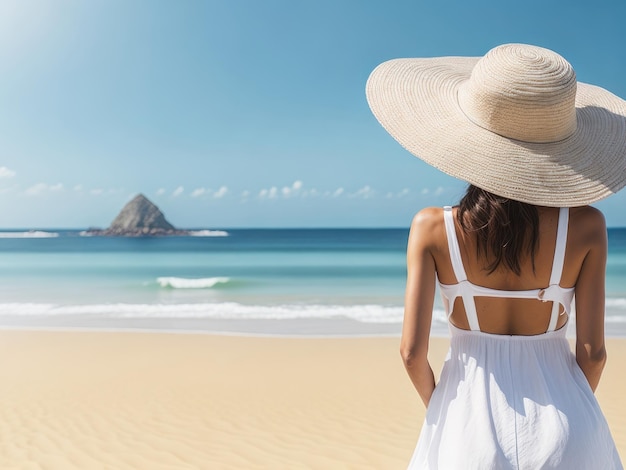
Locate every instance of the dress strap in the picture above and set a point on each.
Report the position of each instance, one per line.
(559, 249)
(453, 245)
(557, 263)
(459, 271)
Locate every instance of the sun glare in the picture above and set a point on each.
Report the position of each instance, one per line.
(22, 22)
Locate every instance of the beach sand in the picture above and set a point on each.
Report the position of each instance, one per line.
(114, 400)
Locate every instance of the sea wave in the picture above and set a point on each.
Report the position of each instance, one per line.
(369, 313)
(615, 303)
(223, 311)
(29, 234)
(192, 233)
(186, 283)
(209, 233)
(614, 319)
(615, 310)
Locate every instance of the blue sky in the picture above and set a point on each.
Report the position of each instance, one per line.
(246, 113)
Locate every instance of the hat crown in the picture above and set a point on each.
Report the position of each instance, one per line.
(522, 92)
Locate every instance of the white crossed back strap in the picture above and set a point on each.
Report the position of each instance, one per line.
(468, 291)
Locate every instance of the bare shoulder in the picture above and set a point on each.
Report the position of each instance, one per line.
(427, 219)
(588, 222)
(427, 226)
(588, 215)
(587, 228)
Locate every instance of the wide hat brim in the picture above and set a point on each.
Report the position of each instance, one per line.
(415, 100)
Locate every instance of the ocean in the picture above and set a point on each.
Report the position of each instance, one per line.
(310, 282)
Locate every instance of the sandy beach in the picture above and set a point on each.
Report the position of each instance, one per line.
(116, 400)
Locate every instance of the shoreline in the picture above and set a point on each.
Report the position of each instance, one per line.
(341, 329)
(230, 318)
(183, 332)
(297, 327)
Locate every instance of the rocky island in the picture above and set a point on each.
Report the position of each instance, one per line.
(139, 218)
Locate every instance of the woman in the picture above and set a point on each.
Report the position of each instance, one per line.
(536, 147)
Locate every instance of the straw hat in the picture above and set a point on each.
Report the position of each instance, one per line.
(514, 122)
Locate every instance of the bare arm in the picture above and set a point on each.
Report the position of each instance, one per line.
(418, 304)
(590, 349)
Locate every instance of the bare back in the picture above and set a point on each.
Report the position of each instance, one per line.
(584, 269)
(513, 316)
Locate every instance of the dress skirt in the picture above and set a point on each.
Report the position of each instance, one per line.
(513, 402)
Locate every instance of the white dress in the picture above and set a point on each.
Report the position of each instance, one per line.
(510, 401)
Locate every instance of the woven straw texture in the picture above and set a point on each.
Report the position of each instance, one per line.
(514, 122)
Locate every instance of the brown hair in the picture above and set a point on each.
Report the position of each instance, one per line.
(506, 230)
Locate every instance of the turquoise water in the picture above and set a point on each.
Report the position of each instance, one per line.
(266, 266)
(320, 280)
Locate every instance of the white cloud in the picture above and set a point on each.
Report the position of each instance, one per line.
(391, 194)
(268, 193)
(338, 192)
(79, 188)
(160, 191)
(6, 173)
(440, 190)
(36, 189)
(220, 193)
(198, 192)
(365, 192)
(424, 191)
(56, 187)
(245, 194)
(294, 190)
(178, 191)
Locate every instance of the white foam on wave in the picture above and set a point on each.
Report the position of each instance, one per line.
(186, 283)
(209, 233)
(617, 303)
(614, 319)
(222, 311)
(615, 310)
(192, 233)
(29, 234)
(370, 313)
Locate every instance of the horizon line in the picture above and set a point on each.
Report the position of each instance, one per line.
(294, 227)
